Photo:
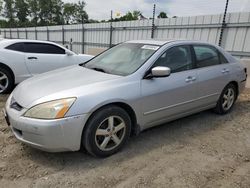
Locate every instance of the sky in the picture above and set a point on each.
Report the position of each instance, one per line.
(100, 9)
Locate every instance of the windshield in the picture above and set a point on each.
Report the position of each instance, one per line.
(123, 59)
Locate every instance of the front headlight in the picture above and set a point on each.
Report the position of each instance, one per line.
(50, 110)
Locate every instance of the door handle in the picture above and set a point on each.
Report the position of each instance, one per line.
(32, 57)
(190, 79)
(225, 71)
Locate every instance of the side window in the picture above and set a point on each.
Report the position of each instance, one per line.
(16, 47)
(206, 56)
(223, 60)
(177, 59)
(43, 48)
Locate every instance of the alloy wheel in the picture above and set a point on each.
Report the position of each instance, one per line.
(228, 99)
(4, 82)
(110, 133)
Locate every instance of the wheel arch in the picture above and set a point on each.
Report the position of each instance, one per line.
(2, 65)
(135, 127)
(235, 83)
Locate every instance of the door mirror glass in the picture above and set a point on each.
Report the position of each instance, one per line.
(160, 72)
(69, 53)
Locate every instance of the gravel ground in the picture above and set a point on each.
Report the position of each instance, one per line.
(203, 150)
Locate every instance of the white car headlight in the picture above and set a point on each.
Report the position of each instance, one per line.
(50, 110)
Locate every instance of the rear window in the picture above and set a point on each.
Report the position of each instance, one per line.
(206, 56)
(16, 47)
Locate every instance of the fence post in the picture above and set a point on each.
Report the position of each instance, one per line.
(71, 44)
(153, 23)
(111, 30)
(47, 33)
(10, 34)
(223, 25)
(83, 40)
(63, 37)
(17, 31)
(35, 33)
(26, 33)
(4, 33)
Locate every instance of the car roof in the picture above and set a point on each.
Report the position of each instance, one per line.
(161, 42)
(6, 42)
(158, 42)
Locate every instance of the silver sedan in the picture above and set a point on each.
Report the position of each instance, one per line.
(129, 88)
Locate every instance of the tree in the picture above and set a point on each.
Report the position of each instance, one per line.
(136, 14)
(92, 21)
(1, 5)
(69, 10)
(56, 10)
(33, 11)
(162, 15)
(129, 16)
(3, 23)
(9, 12)
(81, 15)
(44, 12)
(22, 11)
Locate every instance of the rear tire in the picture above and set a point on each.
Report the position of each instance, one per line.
(107, 131)
(226, 100)
(6, 81)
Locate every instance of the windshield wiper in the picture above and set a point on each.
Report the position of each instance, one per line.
(98, 69)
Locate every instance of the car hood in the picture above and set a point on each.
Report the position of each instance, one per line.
(59, 83)
(84, 57)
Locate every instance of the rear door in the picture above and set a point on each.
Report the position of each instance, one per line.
(168, 97)
(43, 57)
(213, 73)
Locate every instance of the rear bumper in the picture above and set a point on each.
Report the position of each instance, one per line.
(48, 135)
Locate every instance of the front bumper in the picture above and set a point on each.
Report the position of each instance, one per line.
(48, 135)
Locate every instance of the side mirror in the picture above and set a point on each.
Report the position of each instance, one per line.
(69, 53)
(159, 72)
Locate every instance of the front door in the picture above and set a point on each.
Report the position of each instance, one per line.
(43, 57)
(166, 98)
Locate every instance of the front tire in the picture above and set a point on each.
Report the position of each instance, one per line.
(107, 131)
(226, 100)
(6, 81)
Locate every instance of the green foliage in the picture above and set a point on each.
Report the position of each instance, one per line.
(33, 12)
(69, 10)
(22, 13)
(26, 13)
(1, 5)
(81, 15)
(162, 15)
(129, 16)
(9, 12)
(57, 15)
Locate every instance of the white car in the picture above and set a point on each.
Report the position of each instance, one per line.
(21, 59)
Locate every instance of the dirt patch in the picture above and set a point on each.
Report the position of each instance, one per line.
(203, 150)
